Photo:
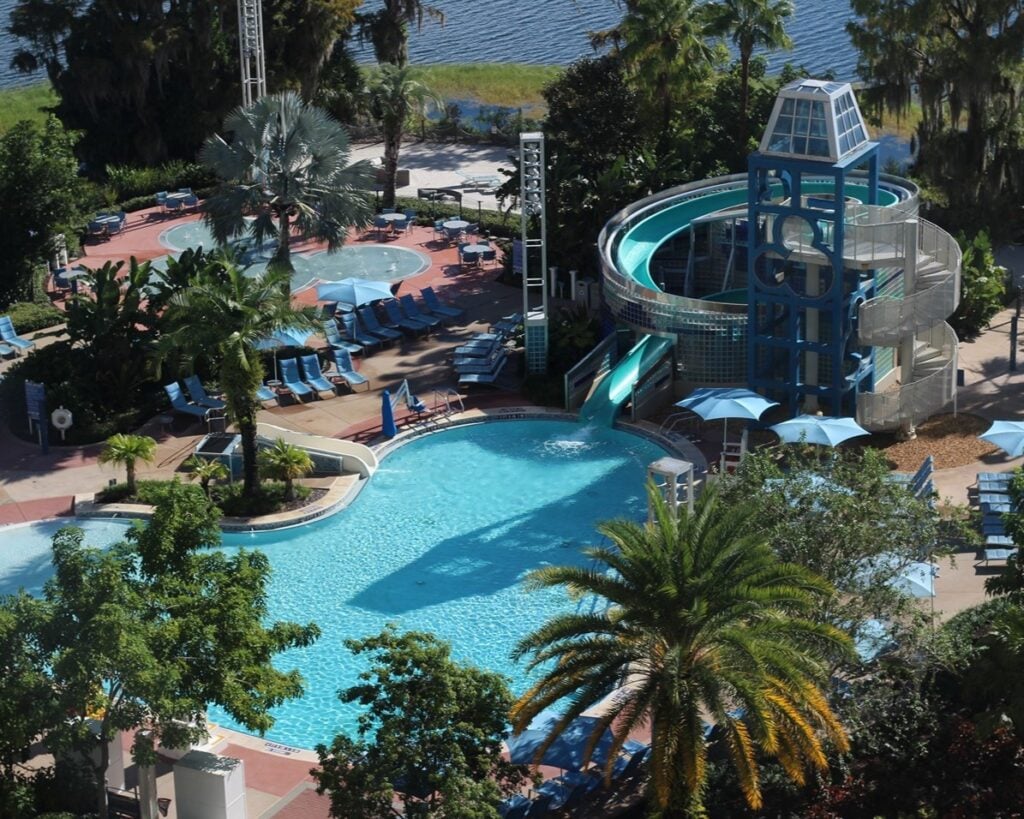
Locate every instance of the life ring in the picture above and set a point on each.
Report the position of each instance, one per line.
(62, 418)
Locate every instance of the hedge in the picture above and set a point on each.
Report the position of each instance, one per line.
(29, 316)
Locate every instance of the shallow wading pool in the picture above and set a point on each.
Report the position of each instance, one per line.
(437, 541)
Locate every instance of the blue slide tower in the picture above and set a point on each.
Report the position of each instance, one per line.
(803, 293)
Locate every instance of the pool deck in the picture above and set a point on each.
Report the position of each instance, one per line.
(34, 486)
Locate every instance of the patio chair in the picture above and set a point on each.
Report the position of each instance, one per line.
(97, 229)
(113, 228)
(345, 371)
(334, 338)
(265, 394)
(181, 405)
(161, 198)
(469, 379)
(469, 258)
(174, 206)
(397, 321)
(198, 394)
(481, 365)
(11, 338)
(439, 231)
(507, 324)
(191, 201)
(413, 312)
(410, 220)
(435, 306)
(354, 333)
(314, 375)
(380, 226)
(540, 806)
(289, 371)
(472, 230)
(399, 226)
(489, 256)
(477, 348)
(374, 327)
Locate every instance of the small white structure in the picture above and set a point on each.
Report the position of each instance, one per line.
(674, 479)
(207, 786)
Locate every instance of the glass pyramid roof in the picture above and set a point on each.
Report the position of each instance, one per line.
(814, 119)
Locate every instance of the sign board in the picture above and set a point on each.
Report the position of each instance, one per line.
(35, 400)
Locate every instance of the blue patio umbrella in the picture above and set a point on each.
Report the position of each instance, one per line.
(1007, 435)
(818, 429)
(353, 291)
(566, 752)
(387, 415)
(712, 403)
(284, 337)
(916, 578)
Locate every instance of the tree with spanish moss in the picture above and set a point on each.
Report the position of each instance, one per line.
(702, 622)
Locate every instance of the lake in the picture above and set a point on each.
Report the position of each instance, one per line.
(554, 31)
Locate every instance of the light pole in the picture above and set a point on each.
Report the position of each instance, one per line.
(250, 46)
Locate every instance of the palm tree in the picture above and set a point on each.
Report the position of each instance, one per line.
(703, 620)
(127, 450)
(224, 315)
(392, 95)
(663, 46)
(287, 166)
(749, 24)
(286, 462)
(387, 29)
(205, 470)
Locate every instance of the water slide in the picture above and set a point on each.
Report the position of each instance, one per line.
(329, 454)
(611, 393)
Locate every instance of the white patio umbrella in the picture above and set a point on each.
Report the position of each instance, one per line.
(1007, 435)
(822, 430)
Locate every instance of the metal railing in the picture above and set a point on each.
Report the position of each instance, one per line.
(864, 245)
(884, 320)
(648, 394)
(914, 402)
(593, 366)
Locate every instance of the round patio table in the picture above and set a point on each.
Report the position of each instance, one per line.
(393, 217)
(456, 224)
(475, 248)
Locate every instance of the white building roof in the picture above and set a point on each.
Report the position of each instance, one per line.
(814, 119)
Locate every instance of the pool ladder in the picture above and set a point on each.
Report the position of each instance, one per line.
(448, 402)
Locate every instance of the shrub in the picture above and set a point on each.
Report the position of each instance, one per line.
(267, 501)
(28, 316)
(147, 491)
(982, 287)
(130, 181)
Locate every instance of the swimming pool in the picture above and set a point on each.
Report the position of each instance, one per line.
(438, 541)
(376, 262)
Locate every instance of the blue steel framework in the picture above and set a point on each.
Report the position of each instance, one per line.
(777, 317)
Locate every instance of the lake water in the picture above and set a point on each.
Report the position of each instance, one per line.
(554, 31)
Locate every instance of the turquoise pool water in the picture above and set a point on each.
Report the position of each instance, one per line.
(377, 262)
(438, 540)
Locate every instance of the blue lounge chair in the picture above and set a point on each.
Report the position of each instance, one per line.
(508, 324)
(439, 231)
(468, 379)
(355, 334)
(174, 206)
(413, 312)
(627, 767)
(397, 321)
(314, 375)
(515, 807)
(198, 394)
(375, 328)
(265, 394)
(335, 340)
(345, 371)
(180, 404)
(11, 338)
(540, 806)
(470, 364)
(477, 348)
(289, 369)
(434, 304)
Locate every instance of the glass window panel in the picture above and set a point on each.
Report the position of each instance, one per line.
(781, 143)
(818, 128)
(801, 125)
(817, 147)
(799, 145)
(818, 110)
(858, 134)
(787, 106)
(784, 125)
(803, 108)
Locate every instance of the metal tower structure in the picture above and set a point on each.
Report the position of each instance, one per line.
(535, 254)
(250, 45)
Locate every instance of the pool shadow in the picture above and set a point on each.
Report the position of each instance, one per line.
(497, 556)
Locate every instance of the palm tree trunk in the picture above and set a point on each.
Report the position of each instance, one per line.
(392, 147)
(130, 468)
(744, 99)
(282, 259)
(289, 489)
(250, 463)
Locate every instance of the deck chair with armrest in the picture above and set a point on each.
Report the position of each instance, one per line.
(181, 405)
(507, 324)
(344, 370)
(483, 377)
(375, 328)
(334, 338)
(413, 312)
(435, 306)
(469, 364)
(399, 321)
(477, 348)
(264, 394)
(355, 334)
(10, 337)
(198, 394)
(314, 375)
(289, 371)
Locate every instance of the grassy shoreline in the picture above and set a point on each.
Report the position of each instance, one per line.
(25, 102)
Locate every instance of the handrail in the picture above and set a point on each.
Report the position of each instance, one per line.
(915, 401)
(604, 355)
(443, 395)
(885, 319)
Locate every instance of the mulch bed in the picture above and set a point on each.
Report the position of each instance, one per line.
(950, 440)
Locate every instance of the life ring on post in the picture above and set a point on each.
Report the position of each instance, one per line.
(62, 418)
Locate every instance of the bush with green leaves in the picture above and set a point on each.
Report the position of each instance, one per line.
(982, 287)
(130, 181)
(29, 316)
